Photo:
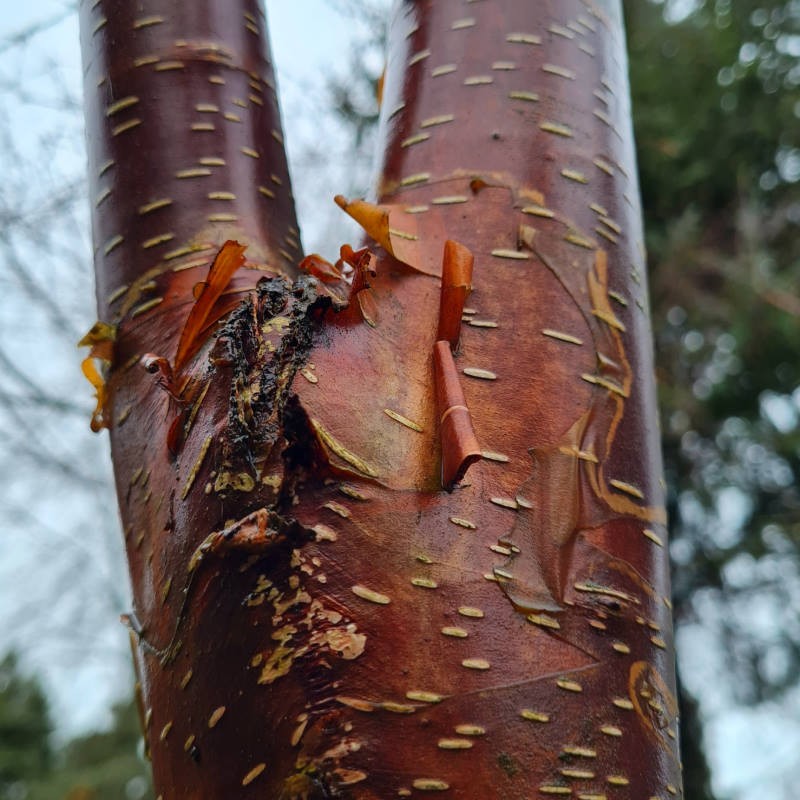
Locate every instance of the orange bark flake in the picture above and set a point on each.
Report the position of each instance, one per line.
(227, 261)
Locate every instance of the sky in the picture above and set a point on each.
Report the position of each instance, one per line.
(310, 42)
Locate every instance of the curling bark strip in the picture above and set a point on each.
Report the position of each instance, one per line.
(317, 611)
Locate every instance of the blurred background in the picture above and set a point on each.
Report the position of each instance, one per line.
(716, 98)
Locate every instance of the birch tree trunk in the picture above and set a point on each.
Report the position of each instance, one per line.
(386, 536)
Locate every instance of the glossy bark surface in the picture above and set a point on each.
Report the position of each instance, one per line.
(315, 616)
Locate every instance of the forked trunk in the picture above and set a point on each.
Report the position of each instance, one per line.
(386, 536)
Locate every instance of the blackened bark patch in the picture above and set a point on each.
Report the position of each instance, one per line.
(303, 457)
(308, 784)
(508, 764)
(303, 451)
(266, 340)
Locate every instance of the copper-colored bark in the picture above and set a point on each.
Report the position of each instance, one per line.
(459, 446)
(457, 264)
(314, 614)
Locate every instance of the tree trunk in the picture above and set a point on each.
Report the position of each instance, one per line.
(384, 539)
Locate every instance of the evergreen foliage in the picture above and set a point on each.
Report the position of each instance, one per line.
(103, 765)
(716, 106)
(25, 727)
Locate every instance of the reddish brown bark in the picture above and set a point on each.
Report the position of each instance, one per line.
(333, 595)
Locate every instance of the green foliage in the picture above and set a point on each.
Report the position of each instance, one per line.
(103, 765)
(25, 727)
(98, 766)
(714, 99)
(716, 106)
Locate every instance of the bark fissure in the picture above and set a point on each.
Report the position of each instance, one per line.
(263, 367)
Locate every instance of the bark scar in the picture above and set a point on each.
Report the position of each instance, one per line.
(259, 533)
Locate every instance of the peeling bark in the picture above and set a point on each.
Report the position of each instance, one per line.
(383, 542)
